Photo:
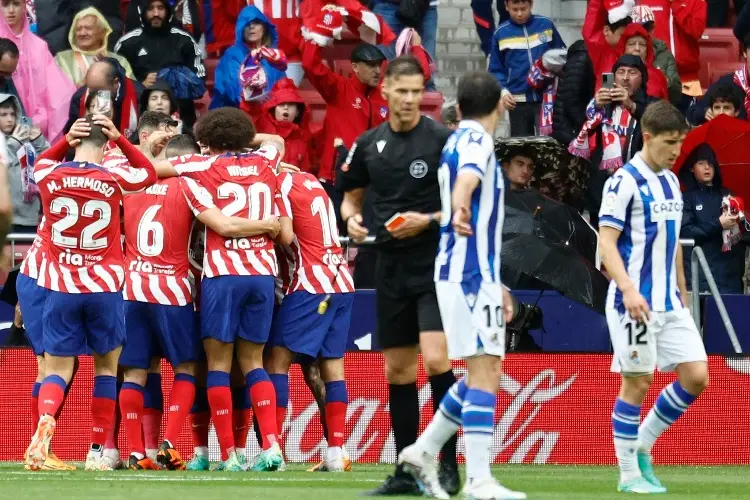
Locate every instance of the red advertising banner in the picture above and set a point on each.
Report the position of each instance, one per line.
(552, 408)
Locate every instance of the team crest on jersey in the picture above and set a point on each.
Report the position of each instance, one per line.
(543, 38)
(699, 207)
(418, 169)
(635, 358)
(357, 104)
(383, 111)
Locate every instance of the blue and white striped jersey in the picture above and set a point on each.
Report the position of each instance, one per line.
(463, 259)
(647, 207)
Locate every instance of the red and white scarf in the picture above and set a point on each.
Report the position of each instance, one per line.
(614, 136)
(742, 79)
(734, 207)
(541, 78)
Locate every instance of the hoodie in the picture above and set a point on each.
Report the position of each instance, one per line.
(75, 62)
(26, 209)
(297, 137)
(151, 49)
(657, 82)
(700, 222)
(187, 16)
(227, 88)
(164, 87)
(54, 18)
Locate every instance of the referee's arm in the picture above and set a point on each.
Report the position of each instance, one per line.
(352, 180)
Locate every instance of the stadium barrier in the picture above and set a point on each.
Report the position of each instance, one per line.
(552, 408)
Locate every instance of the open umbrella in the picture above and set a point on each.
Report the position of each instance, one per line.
(557, 173)
(729, 138)
(556, 265)
(529, 212)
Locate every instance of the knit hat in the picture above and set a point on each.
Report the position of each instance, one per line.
(631, 61)
(642, 14)
(617, 10)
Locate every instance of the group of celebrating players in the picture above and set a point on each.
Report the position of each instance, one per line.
(86, 282)
(113, 255)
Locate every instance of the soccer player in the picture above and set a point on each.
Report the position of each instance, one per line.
(82, 266)
(474, 305)
(237, 290)
(158, 301)
(313, 318)
(649, 323)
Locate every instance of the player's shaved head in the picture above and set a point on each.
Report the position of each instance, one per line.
(225, 129)
(96, 138)
(180, 145)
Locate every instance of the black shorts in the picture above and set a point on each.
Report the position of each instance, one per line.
(406, 303)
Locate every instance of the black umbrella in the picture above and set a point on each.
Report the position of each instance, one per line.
(557, 173)
(529, 212)
(556, 265)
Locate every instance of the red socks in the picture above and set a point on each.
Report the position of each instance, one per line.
(51, 396)
(280, 418)
(263, 396)
(220, 402)
(241, 426)
(102, 408)
(200, 422)
(35, 404)
(180, 401)
(335, 420)
(131, 407)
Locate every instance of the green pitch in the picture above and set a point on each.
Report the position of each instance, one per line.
(539, 481)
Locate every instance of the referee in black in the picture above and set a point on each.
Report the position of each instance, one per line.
(397, 163)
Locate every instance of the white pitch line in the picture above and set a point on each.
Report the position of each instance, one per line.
(165, 477)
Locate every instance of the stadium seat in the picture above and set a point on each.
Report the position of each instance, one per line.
(210, 65)
(717, 70)
(432, 104)
(343, 67)
(315, 104)
(719, 45)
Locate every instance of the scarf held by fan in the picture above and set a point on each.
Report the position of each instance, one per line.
(614, 135)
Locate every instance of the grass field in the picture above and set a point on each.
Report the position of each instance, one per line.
(538, 481)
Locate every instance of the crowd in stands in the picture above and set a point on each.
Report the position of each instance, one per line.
(311, 72)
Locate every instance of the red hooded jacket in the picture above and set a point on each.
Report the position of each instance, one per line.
(680, 23)
(657, 82)
(297, 137)
(352, 107)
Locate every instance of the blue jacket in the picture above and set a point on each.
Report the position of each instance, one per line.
(227, 89)
(515, 47)
(700, 221)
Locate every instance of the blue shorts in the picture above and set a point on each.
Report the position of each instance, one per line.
(235, 307)
(300, 328)
(74, 321)
(31, 299)
(158, 330)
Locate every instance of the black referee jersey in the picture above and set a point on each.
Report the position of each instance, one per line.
(399, 170)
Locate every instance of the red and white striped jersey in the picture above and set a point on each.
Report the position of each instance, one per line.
(81, 203)
(33, 257)
(158, 222)
(320, 265)
(243, 185)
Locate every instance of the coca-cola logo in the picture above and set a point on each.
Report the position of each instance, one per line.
(368, 421)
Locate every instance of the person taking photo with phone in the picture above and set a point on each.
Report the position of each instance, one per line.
(612, 133)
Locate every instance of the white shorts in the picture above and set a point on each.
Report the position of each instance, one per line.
(668, 339)
(474, 323)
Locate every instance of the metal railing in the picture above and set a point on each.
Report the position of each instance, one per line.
(699, 263)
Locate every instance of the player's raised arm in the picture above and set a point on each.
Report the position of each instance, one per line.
(618, 193)
(139, 173)
(202, 205)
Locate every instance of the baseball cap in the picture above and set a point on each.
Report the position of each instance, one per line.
(367, 53)
(642, 14)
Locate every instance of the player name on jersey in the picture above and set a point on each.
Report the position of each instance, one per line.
(95, 185)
